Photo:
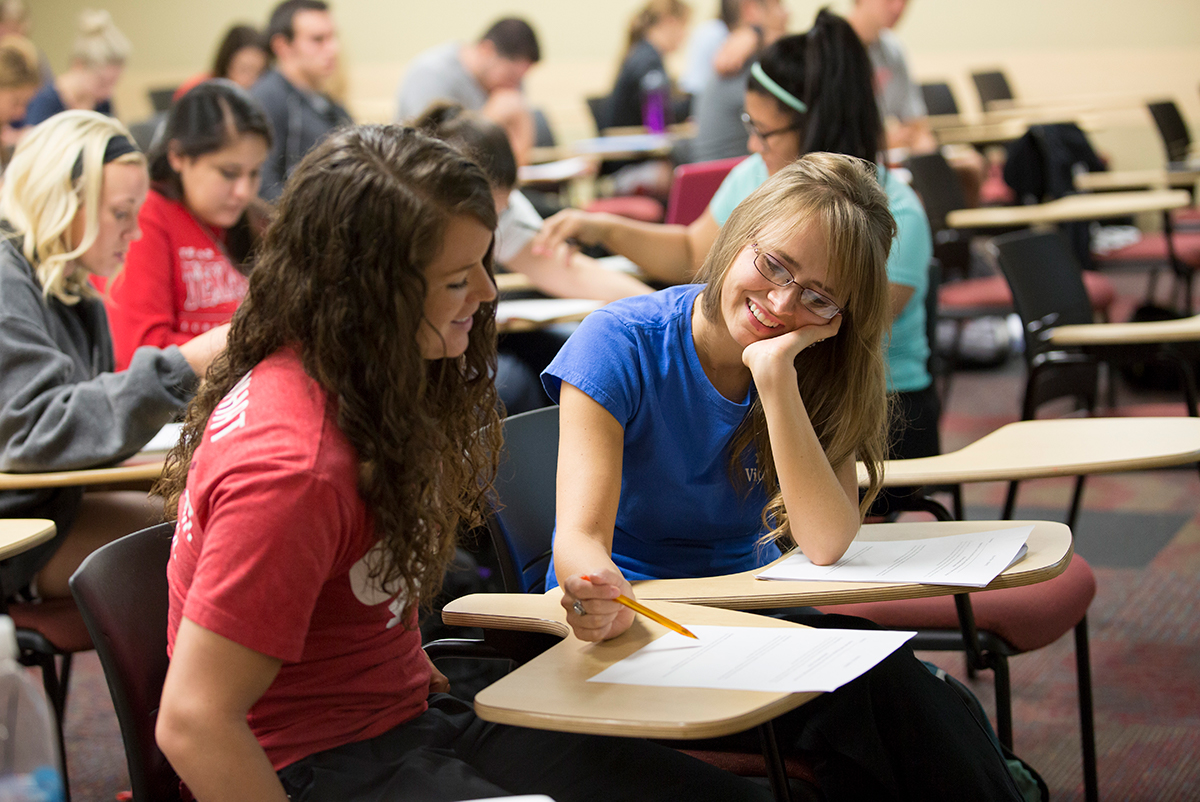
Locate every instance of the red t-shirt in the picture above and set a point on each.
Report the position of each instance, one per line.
(177, 281)
(272, 551)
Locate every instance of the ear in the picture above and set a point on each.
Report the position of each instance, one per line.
(279, 45)
(174, 157)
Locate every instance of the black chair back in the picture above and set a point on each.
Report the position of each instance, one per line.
(939, 99)
(991, 86)
(121, 590)
(522, 520)
(1048, 291)
(1173, 130)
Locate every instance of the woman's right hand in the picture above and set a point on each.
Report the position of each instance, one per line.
(565, 231)
(602, 618)
(202, 349)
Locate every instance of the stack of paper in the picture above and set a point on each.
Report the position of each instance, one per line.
(783, 660)
(970, 560)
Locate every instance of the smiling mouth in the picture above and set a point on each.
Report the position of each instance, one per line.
(754, 310)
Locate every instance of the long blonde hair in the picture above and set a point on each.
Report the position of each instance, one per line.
(99, 41)
(842, 381)
(42, 193)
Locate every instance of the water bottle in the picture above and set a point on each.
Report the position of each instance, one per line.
(29, 764)
(656, 94)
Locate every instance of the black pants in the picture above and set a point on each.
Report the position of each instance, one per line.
(449, 754)
(895, 733)
(914, 433)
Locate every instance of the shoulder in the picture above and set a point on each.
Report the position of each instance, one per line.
(278, 413)
(902, 198)
(18, 284)
(271, 89)
(743, 179)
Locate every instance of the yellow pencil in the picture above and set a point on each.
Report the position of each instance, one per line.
(646, 611)
(653, 616)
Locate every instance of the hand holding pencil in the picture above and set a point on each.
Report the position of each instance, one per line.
(600, 606)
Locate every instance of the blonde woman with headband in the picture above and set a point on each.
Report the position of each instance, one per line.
(68, 211)
(97, 61)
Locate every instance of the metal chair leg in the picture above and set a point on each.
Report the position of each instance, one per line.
(999, 666)
(776, 771)
(1010, 501)
(1076, 502)
(1087, 724)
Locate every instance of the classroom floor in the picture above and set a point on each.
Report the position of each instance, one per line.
(1141, 534)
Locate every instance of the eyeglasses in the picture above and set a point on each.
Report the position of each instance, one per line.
(751, 130)
(775, 272)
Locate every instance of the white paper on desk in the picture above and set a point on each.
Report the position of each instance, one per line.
(166, 438)
(627, 143)
(561, 170)
(618, 264)
(785, 660)
(970, 560)
(542, 310)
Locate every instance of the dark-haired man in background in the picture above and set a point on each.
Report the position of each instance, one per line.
(482, 76)
(304, 40)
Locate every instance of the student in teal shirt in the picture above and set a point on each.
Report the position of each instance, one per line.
(808, 93)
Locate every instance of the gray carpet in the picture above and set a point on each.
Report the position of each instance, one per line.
(1106, 538)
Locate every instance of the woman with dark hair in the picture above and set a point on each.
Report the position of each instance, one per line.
(241, 57)
(523, 355)
(187, 272)
(325, 468)
(807, 93)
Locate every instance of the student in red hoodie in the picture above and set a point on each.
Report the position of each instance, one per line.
(186, 274)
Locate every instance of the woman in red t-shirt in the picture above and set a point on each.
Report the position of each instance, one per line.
(186, 274)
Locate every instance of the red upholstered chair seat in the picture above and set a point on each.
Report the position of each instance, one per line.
(57, 620)
(1026, 618)
(752, 764)
(635, 207)
(1153, 248)
(992, 292)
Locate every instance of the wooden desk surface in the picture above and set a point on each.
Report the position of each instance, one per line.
(1137, 179)
(143, 469)
(1142, 333)
(1050, 550)
(19, 534)
(1072, 207)
(551, 692)
(1040, 449)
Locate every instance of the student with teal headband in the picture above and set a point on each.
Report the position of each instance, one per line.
(807, 93)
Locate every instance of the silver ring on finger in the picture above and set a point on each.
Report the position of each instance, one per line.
(578, 608)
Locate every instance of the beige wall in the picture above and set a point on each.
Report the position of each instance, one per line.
(1120, 49)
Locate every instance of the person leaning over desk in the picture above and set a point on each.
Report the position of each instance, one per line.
(807, 93)
(704, 424)
(68, 211)
(351, 427)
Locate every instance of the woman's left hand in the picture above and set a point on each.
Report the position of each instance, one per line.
(438, 682)
(781, 351)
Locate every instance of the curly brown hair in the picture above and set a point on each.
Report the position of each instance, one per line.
(341, 278)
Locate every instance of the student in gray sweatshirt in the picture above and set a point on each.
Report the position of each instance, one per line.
(68, 210)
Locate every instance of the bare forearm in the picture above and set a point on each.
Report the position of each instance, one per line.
(219, 762)
(581, 277)
(663, 252)
(824, 519)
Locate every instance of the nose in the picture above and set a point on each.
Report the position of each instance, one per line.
(482, 285)
(754, 143)
(244, 188)
(135, 233)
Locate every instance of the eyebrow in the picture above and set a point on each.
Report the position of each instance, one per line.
(784, 257)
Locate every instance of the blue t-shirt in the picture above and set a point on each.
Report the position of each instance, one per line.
(679, 514)
(47, 102)
(907, 352)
